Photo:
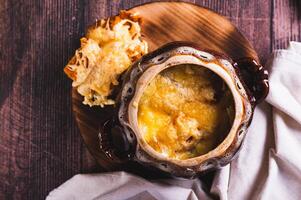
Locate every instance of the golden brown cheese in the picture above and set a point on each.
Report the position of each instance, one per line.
(106, 51)
(182, 114)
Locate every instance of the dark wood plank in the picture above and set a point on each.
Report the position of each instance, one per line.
(40, 145)
(286, 23)
(251, 17)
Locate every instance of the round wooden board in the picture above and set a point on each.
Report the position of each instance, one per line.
(165, 22)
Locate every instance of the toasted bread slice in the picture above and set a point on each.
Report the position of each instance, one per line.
(107, 50)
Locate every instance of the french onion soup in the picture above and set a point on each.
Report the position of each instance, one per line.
(185, 111)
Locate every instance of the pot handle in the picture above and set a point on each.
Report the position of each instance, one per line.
(255, 77)
(114, 142)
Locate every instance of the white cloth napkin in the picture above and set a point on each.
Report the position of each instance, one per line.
(268, 166)
(121, 185)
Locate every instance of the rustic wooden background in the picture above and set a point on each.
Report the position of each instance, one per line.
(40, 146)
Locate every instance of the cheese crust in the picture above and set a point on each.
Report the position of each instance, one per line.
(184, 112)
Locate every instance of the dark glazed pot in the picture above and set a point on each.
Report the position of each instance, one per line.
(246, 79)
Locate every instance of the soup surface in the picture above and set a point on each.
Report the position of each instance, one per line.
(185, 111)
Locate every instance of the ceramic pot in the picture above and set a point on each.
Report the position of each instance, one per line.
(121, 138)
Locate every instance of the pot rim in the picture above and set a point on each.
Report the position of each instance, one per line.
(224, 69)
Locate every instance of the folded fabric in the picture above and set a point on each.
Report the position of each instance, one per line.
(268, 165)
(121, 185)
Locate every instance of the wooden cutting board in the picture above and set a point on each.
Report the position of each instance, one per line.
(165, 22)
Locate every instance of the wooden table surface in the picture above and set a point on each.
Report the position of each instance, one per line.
(40, 144)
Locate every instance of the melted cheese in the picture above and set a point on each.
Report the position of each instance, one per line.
(179, 114)
(106, 51)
